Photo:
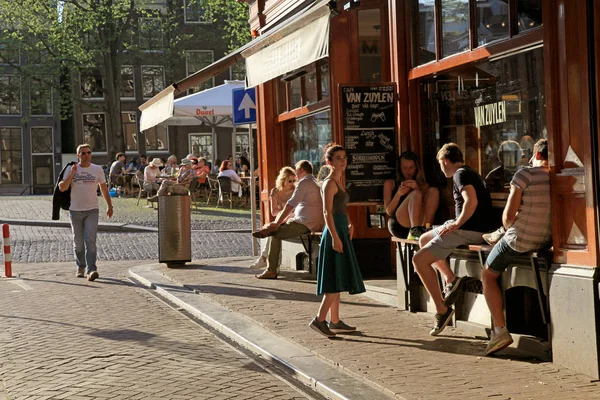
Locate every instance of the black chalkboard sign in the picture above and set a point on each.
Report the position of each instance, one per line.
(369, 115)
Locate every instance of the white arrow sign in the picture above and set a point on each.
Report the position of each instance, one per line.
(247, 104)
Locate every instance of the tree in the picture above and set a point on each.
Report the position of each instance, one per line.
(233, 15)
(77, 34)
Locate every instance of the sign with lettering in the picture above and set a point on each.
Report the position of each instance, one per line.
(369, 116)
(490, 114)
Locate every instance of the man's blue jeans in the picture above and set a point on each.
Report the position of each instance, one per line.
(84, 225)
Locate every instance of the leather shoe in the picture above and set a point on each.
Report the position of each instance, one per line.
(263, 233)
(267, 275)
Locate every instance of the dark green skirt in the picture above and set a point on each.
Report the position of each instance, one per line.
(338, 272)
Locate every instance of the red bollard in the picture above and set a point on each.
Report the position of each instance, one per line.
(7, 256)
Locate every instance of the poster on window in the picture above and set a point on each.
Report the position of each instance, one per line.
(369, 115)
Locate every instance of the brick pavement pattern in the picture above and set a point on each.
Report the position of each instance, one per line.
(392, 348)
(30, 244)
(66, 338)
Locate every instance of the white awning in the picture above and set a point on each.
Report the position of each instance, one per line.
(295, 50)
(157, 109)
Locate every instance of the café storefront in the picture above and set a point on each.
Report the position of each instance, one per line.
(493, 76)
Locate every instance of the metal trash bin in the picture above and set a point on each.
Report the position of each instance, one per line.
(174, 230)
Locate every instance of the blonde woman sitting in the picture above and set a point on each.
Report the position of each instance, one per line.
(280, 194)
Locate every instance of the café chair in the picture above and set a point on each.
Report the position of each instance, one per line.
(213, 188)
(225, 192)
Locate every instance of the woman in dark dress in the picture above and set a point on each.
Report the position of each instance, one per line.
(337, 270)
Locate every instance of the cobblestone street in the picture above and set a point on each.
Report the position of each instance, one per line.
(67, 338)
(50, 244)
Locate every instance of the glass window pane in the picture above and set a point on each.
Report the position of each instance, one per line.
(495, 111)
(369, 45)
(423, 27)
(10, 95)
(156, 138)
(308, 136)
(202, 145)
(94, 131)
(42, 170)
(41, 97)
(11, 156)
(296, 93)
(195, 61)
(242, 145)
(129, 126)
(529, 14)
(324, 76)
(196, 11)
(41, 140)
(150, 34)
(455, 26)
(282, 97)
(310, 86)
(91, 84)
(492, 21)
(127, 82)
(153, 80)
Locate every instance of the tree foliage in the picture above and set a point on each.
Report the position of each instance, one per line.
(233, 16)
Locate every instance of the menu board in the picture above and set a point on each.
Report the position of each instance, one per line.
(369, 115)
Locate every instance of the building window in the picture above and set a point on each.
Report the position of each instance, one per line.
(156, 138)
(150, 34)
(10, 95)
(308, 136)
(94, 131)
(369, 45)
(129, 126)
(202, 145)
(40, 96)
(41, 156)
(242, 145)
(196, 11)
(127, 82)
(494, 110)
(310, 87)
(492, 19)
(92, 84)
(11, 156)
(238, 72)
(153, 80)
(9, 55)
(196, 60)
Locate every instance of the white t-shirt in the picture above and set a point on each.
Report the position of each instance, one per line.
(84, 186)
(151, 174)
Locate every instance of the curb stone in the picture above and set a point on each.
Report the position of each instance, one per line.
(303, 365)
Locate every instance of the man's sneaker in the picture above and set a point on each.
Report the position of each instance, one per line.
(340, 327)
(259, 264)
(441, 321)
(494, 237)
(80, 273)
(451, 291)
(92, 276)
(499, 341)
(321, 327)
(415, 232)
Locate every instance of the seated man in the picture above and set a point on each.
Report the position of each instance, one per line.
(182, 185)
(307, 205)
(473, 207)
(528, 225)
(118, 171)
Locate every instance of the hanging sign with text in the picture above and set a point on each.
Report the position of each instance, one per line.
(369, 116)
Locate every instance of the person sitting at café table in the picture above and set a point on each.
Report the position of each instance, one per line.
(202, 171)
(280, 194)
(179, 186)
(244, 164)
(143, 163)
(237, 184)
(171, 165)
(409, 201)
(307, 204)
(152, 175)
(118, 171)
(528, 223)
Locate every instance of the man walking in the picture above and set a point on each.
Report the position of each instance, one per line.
(473, 206)
(83, 178)
(307, 204)
(528, 225)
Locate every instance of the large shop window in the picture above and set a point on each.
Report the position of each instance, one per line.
(156, 138)
(494, 110)
(11, 155)
(94, 131)
(492, 22)
(129, 126)
(308, 137)
(242, 145)
(201, 144)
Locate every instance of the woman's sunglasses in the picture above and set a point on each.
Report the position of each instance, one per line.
(292, 181)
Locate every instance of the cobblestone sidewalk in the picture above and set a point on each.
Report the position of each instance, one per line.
(392, 349)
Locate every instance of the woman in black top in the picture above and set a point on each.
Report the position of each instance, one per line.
(409, 201)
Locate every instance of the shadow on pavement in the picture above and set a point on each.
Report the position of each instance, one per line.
(86, 284)
(124, 335)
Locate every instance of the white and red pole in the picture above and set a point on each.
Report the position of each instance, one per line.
(7, 256)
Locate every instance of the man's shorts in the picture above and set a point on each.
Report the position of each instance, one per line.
(501, 257)
(441, 246)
